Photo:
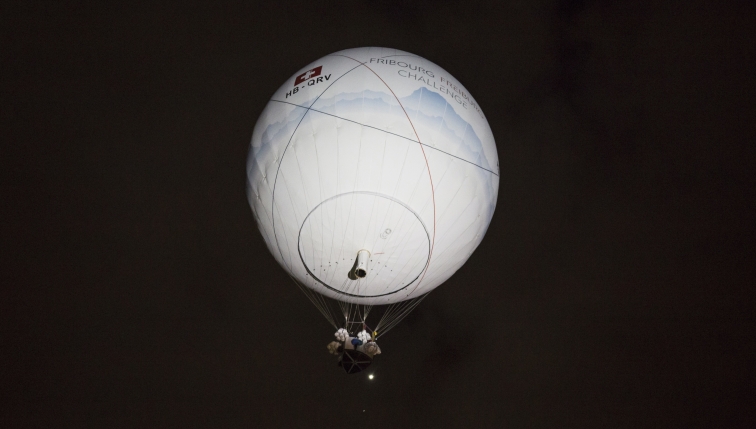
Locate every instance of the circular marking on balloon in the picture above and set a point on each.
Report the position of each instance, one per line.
(278, 169)
(405, 254)
(453, 240)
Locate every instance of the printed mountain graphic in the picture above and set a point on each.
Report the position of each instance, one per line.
(430, 113)
(432, 107)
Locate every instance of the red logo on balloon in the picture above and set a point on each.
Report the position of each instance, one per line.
(307, 75)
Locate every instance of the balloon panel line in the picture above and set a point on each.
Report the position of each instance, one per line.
(354, 316)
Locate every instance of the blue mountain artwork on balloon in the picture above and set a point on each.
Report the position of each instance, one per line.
(432, 107)
(427, 109)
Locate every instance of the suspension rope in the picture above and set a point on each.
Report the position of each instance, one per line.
(356, 314)
(396, 313)
(319, 304)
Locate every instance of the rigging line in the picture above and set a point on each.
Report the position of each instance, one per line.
(427, 165)
(351, 201)
(386, 329)
(294, 211)
(326, 308)
(401, 317)
(408, 271)
(439, 181)
(283, 154)
(396, 186)
(451, 201)
(402, 246)
(286, 265)
(356, 181)
(405, 268)
(365, 311)
(406, 312)
(399, 307)
(343, 304)
(342, 291)
(323, 303)
(352, 197)
(389, 318)
(386, 315)
(372, 206)
(445, 210)
(408, 274)
(430, 177)
(385, 143)
(289, 265)
(305, 290)
(356, 284)
(391, 208)
(347, 304)
(400, 224)
(307, 203)
(443, 213)
(470, 246)
(352, 311)
(469, 252)
(406, 239)
(319, 301)
(336, 210)
(392, 309)
(320, 189)
(267, 236)
(350, 305)
(358, 309)
(360, 315)
(369, 223)
(402, 219)
(334, 317)
(389, 132)
(461, 213)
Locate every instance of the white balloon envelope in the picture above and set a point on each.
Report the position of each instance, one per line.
(373, 176)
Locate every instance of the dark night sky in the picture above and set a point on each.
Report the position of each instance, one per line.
(614, 287)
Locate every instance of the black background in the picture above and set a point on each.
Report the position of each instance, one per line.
(613, 289)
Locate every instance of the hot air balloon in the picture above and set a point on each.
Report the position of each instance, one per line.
(373, 176)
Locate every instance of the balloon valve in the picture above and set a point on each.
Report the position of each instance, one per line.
(361, 265)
